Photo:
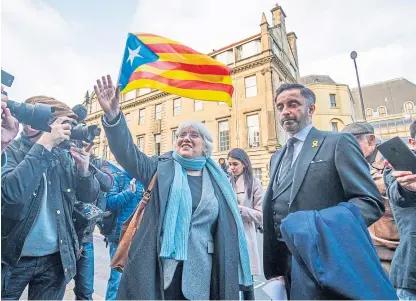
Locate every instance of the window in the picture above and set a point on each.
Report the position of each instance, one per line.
(253, 131)
(158, 110)
(382, 111)
(130, 95)
(177, 107)
(276, 49)
(332, 100)
(409, 107)
(257, 173)
(157, 144)
(144, 91)
(249, 49)
(142, 114)
(140, 143)
(105, 154)
(334, 126)
(127, 117)
(174, 139)
(251, 86)
(226, 57)
(94, 107)
(369, 112)
(224, 136)
(198, 105)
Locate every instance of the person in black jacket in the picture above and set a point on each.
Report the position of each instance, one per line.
(401, 191)
(40, 183)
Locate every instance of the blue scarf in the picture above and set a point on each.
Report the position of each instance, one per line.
(179, 213)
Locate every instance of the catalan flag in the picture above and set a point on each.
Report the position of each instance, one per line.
(152, 61)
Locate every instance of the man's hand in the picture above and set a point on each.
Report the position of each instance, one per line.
(9, 124)
(59, 133)
(108, 97)
(133, 185)
(82, 160)
(406, 179)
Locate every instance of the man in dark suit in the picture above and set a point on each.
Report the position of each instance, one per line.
(313, 171)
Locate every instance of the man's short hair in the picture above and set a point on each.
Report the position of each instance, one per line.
(413, 130)
(305, 92)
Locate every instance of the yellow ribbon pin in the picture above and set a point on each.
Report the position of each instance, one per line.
(315, 143)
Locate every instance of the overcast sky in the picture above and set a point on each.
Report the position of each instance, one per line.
(58, 48)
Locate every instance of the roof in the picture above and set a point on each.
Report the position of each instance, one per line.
(234, 44)
(315, 78)
(392, 94)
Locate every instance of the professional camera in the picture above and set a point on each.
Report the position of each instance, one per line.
(85, 133)
(38, 116)
(81, 132)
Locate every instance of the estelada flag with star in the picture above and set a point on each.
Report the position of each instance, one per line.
(151, 61)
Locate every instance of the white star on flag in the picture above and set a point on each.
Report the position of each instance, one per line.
(133, 54)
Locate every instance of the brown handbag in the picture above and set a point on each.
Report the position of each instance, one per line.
(128, 229)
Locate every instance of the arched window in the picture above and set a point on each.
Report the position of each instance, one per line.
(409, 107)
(337, 125)
(369, 112)
(382, 111)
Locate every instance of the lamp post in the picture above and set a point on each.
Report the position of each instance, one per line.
(353, 55)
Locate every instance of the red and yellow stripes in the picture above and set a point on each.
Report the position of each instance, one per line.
(182, 71)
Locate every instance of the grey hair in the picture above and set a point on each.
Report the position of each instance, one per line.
(203, 131)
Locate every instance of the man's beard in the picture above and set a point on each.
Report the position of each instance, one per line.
(293, 124)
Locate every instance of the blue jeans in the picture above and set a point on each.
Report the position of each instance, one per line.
(44, 275)
(115, 276)
(406, 294)
(84, 279)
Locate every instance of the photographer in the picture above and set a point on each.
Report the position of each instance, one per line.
(9, 126)
(401, 191)
(40, 183)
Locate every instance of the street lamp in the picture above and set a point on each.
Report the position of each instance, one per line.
(353, 55)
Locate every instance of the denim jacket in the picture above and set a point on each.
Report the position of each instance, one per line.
(22, 187)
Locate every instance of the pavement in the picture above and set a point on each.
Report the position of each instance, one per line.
(102, 272)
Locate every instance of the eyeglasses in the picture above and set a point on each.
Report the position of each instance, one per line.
(192, 135)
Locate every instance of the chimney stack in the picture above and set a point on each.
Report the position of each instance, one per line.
(278, 15)
(291, 37)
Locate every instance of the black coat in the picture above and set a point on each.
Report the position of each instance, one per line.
(143, 275)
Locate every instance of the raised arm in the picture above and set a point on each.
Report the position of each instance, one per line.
(136, 163)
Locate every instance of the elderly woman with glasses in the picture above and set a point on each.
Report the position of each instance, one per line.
(185, 247)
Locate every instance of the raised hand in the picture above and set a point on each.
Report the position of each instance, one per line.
(82, 160)
(59, 132)
(108, 97)
(9, 124)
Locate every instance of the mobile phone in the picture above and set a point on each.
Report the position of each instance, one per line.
(6, 78)
(398, 154)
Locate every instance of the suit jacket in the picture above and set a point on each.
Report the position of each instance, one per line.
(403, 205)
(330, 169)
(325, 264)
(143, 276)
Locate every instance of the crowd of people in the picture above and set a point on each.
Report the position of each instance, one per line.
(338, 222)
